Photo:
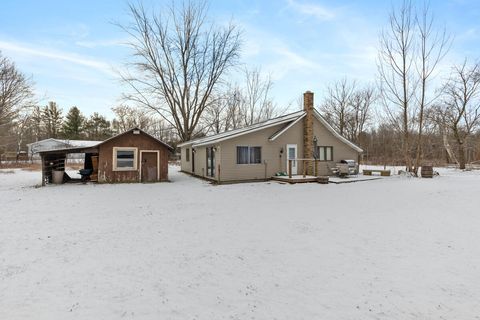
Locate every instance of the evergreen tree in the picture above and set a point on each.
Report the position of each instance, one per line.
(52, 119)
(98, 127)
(73, 125)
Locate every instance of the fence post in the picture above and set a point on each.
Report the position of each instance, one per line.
(304, 168)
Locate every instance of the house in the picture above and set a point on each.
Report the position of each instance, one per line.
(131, 156)
(260, 151)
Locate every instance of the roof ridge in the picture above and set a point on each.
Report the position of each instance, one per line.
(239, 130)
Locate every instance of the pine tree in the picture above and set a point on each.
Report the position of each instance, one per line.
(74, 123)
(52, 119)
(98, 127)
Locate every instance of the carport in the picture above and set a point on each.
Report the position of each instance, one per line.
(54, 161)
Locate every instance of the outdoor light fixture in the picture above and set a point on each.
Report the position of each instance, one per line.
(315, 139)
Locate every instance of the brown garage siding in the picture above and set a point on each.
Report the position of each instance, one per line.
(141, 142)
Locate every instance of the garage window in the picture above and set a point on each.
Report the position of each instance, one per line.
(124, 159)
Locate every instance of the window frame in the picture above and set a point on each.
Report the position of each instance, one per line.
(249, 155)
(187, 154)
(319, 151)
(114, 159)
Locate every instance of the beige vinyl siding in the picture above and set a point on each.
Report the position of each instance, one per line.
(340, 149)
(184, 164)
(272, 160)
(200, 161)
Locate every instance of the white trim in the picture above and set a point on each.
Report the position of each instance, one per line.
(335, 133)
(294, 159)
(278, 134)
(135, 158)
(181, 145)
(158, 163)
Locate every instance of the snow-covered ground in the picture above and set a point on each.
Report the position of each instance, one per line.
(394, 248)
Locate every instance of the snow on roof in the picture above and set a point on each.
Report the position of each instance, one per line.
(292, 118)
(53, 144)
(238, 132)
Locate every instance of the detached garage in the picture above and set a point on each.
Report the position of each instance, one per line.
(132, 156)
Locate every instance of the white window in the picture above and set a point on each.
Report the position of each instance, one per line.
(124, 159)
(325, 153)
(249, 155)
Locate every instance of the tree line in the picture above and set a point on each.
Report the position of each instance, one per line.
(185, 80)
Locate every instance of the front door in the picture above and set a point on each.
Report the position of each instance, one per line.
(292, 155)
(149, 167)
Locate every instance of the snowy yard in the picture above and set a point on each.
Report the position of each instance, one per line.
(394, 248)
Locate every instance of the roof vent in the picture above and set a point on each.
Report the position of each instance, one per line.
(136, 131)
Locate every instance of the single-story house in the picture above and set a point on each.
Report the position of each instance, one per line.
(131, 156)
(262, 150)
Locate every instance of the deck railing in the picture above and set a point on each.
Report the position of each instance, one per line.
(306, 163)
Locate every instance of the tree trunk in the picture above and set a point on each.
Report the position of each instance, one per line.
(450, 154)
(461, 154)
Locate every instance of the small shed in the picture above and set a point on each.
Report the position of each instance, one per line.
(131, 156)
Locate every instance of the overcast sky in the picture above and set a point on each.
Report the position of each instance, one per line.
(72, 48)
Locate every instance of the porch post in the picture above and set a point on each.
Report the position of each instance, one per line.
(289, 168)
(42, 159)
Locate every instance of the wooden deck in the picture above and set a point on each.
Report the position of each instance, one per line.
(335, 180)
(300, 179)
(295, 179)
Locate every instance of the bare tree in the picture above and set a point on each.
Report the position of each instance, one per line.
(256, 103)
(436, 115)
(241, 106)
(360, 114)
(336, 107)
(396, 66)
(461, 105)
(179, 62)
(433, 45)
(15, 94)
(348, 108)
(410, 51)
(127, 117)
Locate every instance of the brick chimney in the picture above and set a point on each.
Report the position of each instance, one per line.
(308, 130)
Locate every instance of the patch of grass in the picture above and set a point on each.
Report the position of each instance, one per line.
(6, 171)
